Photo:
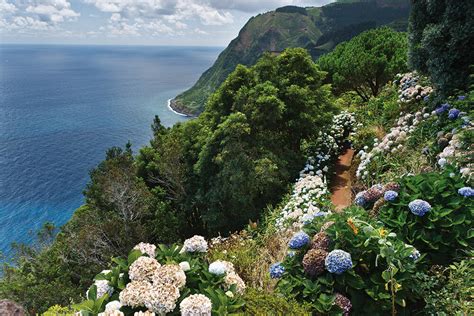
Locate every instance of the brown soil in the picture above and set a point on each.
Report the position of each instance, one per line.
(341, 182)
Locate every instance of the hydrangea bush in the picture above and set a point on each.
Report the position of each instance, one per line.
(352, 265)
(175, 280)
(431, 214)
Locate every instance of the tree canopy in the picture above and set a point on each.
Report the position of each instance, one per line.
(366, 62)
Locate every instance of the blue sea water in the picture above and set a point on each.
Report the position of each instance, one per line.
(61, 107)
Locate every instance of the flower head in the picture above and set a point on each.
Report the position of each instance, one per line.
(321, 241)
(461, 97)
(360, 199)
(145, 248)
(135, 293)
(419, 207)
(195, 244)
(453, 114)
(443, 108)
(196, 305)
(162, 298)
(276, 270)
(218, 268)
(170, 274)
(313, 262)
(466, 191)
(233, 278)
(113, 306)
(390, 196)
(343, 303)
(144, 268)
(338, 261)
(103, 288)
(185, 266)
(299, 240)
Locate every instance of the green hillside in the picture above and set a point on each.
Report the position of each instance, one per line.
(316, 29)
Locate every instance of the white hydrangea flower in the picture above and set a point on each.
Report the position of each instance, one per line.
(185, 266)
(217, 268)
(195, 244)
(113, 306)
(170, 274)
(196, 305)
(145, 248)
(144, 268)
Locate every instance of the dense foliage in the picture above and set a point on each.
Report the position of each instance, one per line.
(367, 62)
(440, 31)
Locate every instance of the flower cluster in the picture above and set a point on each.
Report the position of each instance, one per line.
(338, 261)
(277, 270)
(299, 240)
(419, 207)
(453, 150)
(103, 288)
(170, 274)
(145, 248)
(368, 197)
(343, 303)
(392, 142)
(313, 262)
(143, 269)
(195, 244)
(196, 305)
(343, 125)
(410, 90)
(390, 196)
(304, 204)
(466, 191)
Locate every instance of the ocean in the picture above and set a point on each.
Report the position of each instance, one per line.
(62, 106)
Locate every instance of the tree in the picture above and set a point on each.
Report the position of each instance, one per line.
(441, 34)
(367, 62)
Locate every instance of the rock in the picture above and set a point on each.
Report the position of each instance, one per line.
(11, 308)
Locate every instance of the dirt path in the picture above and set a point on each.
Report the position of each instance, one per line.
(341, 181)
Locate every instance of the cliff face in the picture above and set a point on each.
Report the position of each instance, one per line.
(316, 29)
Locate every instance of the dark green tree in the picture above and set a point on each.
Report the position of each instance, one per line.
(367, 62)
(441, 37)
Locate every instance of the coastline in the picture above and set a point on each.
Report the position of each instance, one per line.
(174, 107)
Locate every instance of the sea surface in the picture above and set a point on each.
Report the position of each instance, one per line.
(61, 107)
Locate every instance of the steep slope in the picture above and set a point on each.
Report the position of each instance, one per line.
(316, 29)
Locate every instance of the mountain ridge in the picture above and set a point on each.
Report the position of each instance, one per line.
(317, 29)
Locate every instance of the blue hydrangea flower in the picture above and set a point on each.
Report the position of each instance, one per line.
(390, 196)
(276, 270)
(415, 255)
(466, 192)
(360, 200)
(453, 114)
(299, 240)
(443, 108)
(461, 97)
(338, 261)
(426, 99)
(419, 207)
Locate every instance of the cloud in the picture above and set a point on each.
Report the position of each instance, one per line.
(35, 15)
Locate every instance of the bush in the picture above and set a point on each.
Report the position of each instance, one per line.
(163, 279)
(380, 279)
(446, 290)
(444, 232)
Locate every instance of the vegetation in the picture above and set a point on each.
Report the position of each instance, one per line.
(367, 62)
(318, 30)
(439, 33)
(404, 246)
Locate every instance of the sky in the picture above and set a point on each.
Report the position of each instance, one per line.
(131, 22)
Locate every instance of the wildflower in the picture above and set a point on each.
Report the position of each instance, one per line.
(466, 191)
(390, 196)
(343, 303)
(453, 114)
(195, 244)
(382, 232)
(351, 224)
(313, 262)
(276, 270)
(299, 240)
(419, 207)
(196, 305)
(217, 268)
(338, 261)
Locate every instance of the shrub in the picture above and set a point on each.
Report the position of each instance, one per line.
(446, 290)
(261, 303)
(380, 279)
(161, 283)
(444, 232)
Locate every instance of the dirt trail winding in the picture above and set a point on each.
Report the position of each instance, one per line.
(341, 182)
